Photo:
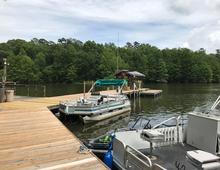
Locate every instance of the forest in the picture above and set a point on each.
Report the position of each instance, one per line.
(70, 60)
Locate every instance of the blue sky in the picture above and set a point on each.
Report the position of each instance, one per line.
(163, 23)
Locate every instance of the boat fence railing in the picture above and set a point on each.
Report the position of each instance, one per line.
(134, 159)
(170, 136)
(215, 103)
(177, 125)
(167, 120)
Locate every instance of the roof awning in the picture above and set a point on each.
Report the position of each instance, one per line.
(111, 82)
(135, 74)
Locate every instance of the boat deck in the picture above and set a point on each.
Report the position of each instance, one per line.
(31, 137)
(172, 157)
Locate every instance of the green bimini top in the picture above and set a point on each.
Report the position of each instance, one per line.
(111, 82)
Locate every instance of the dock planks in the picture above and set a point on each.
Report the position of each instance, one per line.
(151, 93)
(31, 137)
(144, 92)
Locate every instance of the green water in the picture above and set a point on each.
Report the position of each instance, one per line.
(175, 99)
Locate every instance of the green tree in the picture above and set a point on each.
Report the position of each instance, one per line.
(40, 61)
(173, 64)
(201, 72)
(71, 74)
(71, 60)
(21, 69)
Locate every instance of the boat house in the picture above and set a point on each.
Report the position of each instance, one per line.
(134, 77)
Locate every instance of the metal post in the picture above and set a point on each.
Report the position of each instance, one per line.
(134, 100)
(151, 149)
(177, 128)
(134, 88)
(139, 102)
(4, 77)
(84, 89)
(117, 51)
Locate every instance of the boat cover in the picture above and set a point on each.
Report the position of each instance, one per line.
(111, 82)
(201, 156)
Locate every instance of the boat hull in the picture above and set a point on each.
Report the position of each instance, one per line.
(95, 118)
(95, 110)
(93, 106)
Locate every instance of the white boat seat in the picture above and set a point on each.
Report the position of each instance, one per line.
(211, 166)
(152, 135)
(203, 160)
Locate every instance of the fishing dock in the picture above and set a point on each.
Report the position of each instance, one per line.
(31, 137)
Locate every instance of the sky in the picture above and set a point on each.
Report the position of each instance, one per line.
(192, 24)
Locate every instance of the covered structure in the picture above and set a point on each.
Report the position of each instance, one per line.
(133, 77)
(123, 74)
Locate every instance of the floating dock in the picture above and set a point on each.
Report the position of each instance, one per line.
(150, 92)
(144, 92)
(31, 137)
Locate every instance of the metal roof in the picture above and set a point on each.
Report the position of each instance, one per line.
(130, 73)
(135, 74)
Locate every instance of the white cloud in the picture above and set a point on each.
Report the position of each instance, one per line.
(206, 36)
(165, 23)
(185, 45)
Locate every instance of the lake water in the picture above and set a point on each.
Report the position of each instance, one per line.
(175, 99)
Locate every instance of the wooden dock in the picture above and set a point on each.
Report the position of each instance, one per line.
(144, 92)
(31, 137)
(150, 92)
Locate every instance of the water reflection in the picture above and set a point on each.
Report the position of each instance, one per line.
(96, 129)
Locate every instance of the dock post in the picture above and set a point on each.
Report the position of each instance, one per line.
(84, 89)
(28, 91)
(44, 90)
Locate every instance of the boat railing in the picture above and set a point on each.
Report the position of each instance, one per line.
(215, 104)
(127, 157)
(119, 153)
(167, 120)
(177, 125)
(170, 136)
(134, 159)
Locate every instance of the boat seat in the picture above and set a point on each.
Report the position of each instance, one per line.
(203, 160)
(152, 135)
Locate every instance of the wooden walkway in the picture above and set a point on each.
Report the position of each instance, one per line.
(31, 137)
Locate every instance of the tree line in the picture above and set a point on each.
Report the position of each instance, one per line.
(70, 60)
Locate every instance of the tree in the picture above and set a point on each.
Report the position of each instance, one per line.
(157, 70)
(40, 61)
(173, 64)
(71, 74)
(218, 53)
(108, 63)
(201, 72)
(21, 69)
(71, 60)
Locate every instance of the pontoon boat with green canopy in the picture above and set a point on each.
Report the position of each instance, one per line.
(98, 107)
